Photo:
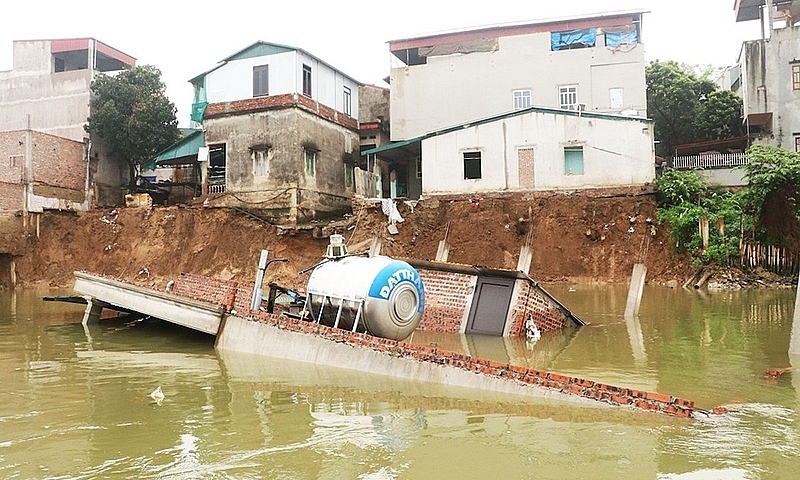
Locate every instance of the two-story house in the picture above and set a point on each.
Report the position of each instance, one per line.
(281, 133)
(576, 84)
(46, 94)
(770, 73)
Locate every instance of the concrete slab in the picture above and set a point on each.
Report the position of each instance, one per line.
(201, 316)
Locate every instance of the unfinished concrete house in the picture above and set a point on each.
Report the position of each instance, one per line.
(48, 91)
(770, 73)
(281, 133)
(539, 69)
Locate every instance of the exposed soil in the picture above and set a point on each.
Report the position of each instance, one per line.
(573, 238)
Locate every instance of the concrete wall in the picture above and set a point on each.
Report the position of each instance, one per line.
(286, 133)
(234, 80)
(767, 84)
(617, 151)
(373, 104)
(455, 89)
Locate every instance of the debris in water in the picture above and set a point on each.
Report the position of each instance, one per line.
(157, 395)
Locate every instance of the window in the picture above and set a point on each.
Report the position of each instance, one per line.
(522, 99)
(261, 158)
(568, 97)
(796, 77)
(348, 175)
(15, 161)
(311, 163)
(573, 160)
(472, 165)
(419, 167)
(616, 99)
(260, 80)
(306, 80)
(347, 105)
(796, 143)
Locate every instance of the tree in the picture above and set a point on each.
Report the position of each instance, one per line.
(720, 116)
(132, 115)
(686, 107)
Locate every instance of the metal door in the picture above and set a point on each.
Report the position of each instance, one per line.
(490, 305)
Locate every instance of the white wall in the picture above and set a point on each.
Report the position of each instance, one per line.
(454, 89)
(617, 152)
(234, 80)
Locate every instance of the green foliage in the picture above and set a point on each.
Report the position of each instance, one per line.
(719, 116)
(770, 170)
(684, 199)
(132, 115)
(676, 187)
(686, 107)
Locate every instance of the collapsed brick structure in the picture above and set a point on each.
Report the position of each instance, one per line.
(236, 297)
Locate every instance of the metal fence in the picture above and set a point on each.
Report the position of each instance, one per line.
(716, 160)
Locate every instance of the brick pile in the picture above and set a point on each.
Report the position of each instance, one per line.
(237, 295)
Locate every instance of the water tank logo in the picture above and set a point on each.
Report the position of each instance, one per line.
(393, 275)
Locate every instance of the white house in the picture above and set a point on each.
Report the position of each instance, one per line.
(535, 149)
(593, 63)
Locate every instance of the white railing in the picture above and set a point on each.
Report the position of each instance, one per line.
(716, 160)
(216, 188)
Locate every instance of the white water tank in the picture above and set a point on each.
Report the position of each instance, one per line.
(385, 296)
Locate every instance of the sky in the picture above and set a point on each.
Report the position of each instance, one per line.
(184, 39)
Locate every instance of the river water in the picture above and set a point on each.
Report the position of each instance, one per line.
(75, 403)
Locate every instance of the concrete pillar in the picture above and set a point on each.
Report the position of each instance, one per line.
(794, 339)
(443, 251)
(635, 290)
(293, 206)
(525, 257)
(13, 273)
(375, 247)
(93, 310)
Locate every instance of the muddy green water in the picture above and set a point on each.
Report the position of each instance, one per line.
(76, 403)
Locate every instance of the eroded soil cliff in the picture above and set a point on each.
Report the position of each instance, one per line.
(572, 237)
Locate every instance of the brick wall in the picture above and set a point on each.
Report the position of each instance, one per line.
(280, 101)
(532, 303)
(446, 296)
(59, 167)
(238, 294)
(11, 196)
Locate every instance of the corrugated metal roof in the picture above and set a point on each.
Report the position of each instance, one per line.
(502, 116)
(183, 151)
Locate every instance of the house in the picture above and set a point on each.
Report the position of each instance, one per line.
(533, 149)
(48, 91)
(593, 66)
(281, 133)
(591, 63)
(770, 73)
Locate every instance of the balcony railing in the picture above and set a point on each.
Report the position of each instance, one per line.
(715, 160)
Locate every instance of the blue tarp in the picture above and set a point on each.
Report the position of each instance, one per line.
(563, 40)
(622, 38)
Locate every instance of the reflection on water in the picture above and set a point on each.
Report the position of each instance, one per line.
(76, 403)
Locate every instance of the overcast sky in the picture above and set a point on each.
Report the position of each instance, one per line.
(184, 39)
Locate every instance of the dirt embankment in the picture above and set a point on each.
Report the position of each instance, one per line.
(572, 238)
